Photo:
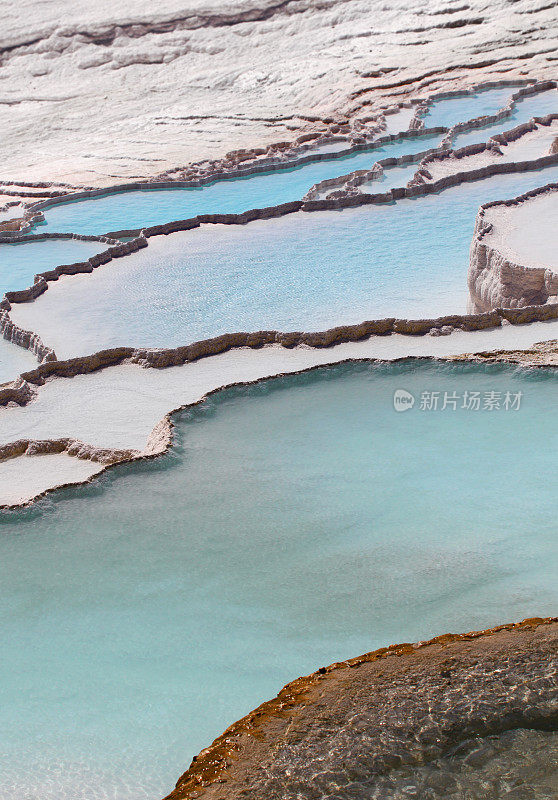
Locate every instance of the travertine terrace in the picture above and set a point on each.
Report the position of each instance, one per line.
(179, 83)
(513, 253)
(384, 338)
(157, 130)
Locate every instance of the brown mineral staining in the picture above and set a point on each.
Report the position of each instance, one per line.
(542, 354)
(405, 704)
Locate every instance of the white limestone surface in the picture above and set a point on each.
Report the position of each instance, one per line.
(24, 478)
(528, 147)
(14, 360)
(526, 233)
(119, 407)
(104, 90)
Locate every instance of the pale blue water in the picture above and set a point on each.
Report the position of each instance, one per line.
(393, 177)
(296, 523)
(135, 209)
(306, 271)
(538, 105)
(14, 360)
(448, 112)
(19, 263)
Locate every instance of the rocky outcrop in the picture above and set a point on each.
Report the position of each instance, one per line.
(17, 393)
(26, 339)
(541, 354)
(341, 730)
(497, 280)
(72, 447)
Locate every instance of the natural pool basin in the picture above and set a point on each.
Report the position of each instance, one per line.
(136, 209)
(20, 262)
(525, 233)
(452, 110)
(538, 105)
(342, 524)
(14, 360)
(305, 271)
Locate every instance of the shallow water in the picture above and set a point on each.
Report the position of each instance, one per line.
(301, 272)
(533, 145)
(19, 263)
(297, 523)
(14, 360)
(445, 113)
(538, 105)
(141, 208)
(392, 177)
(127, 210)
(521, 762)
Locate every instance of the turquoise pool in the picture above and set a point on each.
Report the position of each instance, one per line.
(21, 261)
(135, 209)
(296, 523)
(538, 105)
(448, 112)
(305, 271)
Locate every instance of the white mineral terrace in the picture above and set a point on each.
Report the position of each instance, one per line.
(527, 232)
(128, 88)
(27, 477)
(529, 146)
(122, 410)
(202, 194)
(121, 407)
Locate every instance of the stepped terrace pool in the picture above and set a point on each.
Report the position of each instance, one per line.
(136, 209)
(538, 105)
(21, 261)
(14, 360)
(452, 110)
(305, 271)
(297, 522)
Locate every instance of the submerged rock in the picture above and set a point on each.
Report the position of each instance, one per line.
(433, 719)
